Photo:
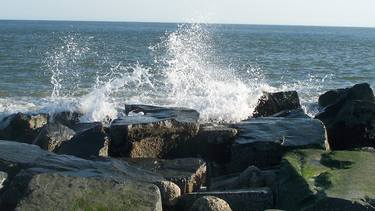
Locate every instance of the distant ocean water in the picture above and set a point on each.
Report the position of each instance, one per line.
(220, 70)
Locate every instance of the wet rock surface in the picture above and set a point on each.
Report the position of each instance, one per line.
(272, 103)
(349, 117)
(52, 136)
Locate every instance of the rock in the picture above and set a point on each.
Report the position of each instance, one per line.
(62, 171)
(252, 177)
(188, 173)
(357, 92)
(262, 141)
(350, 118)
(245, 199)
(61, 191)
(272, 103)
(22, 127)
(52, 135)
(210, 203)
(3, 178)
(296, 113)
(89, 141)
(159, 133)
(170, 192)
(313, 179)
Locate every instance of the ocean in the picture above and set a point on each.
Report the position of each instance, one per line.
(219, 70)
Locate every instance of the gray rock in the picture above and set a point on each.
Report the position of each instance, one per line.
(170, 192)
(272, 103)
(159, 133)
(261, 141)
(22, 127)
(210, 203)
(52, 135)
(61, 191)
(350, 118)
(90, 141)
(245, 199)
(67, 118)
(66, 170)
(188, 173)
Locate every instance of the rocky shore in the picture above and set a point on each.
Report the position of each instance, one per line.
(158, 158)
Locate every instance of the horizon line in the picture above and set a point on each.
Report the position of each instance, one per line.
(200, 22)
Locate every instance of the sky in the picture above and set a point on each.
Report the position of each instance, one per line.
(274, 12)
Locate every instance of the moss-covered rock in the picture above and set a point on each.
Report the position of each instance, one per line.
(314, 179)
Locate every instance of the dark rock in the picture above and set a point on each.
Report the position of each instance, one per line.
(262, 141)
(63, 191)
(350, 119)
(245, 199)
(210, 203)
(312, 179)
(296, 113)
(52, 135)
(159, 133)
(90, 141)
(188, 173)
(357, 92)
(272, 103)
(22, 127)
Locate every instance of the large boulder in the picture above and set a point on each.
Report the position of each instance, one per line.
(66, 191)
(171, 194)
(158, 133)
(262, 141)
(210, 203)
(313, 179)
(188, 173)
(349, 117)
(244, 199)
(22, 127)
(28, 165)
(52, 136)
(272, 103)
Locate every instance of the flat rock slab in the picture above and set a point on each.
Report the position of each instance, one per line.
(188, 173)
(157, 133)
(313, 179)
(22, 161)
(246, 199)
(261, 141)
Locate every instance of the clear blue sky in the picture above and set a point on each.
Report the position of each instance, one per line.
(291, 12)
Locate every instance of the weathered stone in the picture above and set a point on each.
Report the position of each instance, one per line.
(159, 133)
(22, 127)
(89, 141)
(52, 135)
(3, 178)
(261, 141)
(170, 192)
(188, 173)
(313, 179)
(35, 161)
(210, 203)
(296, 113)
(245, 199)
(272, 103)
(350, 119)
(61, 191)
(252, 177)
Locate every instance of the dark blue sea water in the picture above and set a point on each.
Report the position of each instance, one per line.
(220, 70)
